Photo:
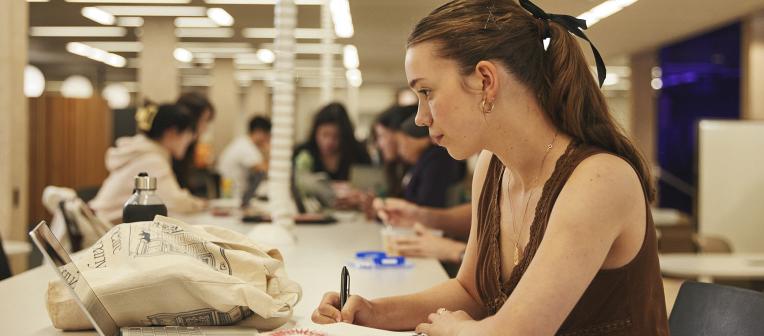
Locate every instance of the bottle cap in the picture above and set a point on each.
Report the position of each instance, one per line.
(144, 182)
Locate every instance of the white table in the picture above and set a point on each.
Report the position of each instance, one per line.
(314, 262)
(713, 266)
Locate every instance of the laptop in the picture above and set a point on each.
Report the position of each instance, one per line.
(368, 178)
(92, 306)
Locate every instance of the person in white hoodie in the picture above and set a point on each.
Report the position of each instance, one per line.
(165, 132)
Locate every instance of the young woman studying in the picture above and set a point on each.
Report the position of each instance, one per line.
(562, 240)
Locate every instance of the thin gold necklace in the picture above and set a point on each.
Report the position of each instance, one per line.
(516, 241)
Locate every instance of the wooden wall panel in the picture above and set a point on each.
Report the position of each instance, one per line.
(68, 141)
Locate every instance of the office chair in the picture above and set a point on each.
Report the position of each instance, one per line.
(703, 309)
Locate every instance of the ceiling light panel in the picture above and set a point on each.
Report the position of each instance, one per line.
(604, 10)
(310, 48)
(51, 31)
(220, 17)
(155, 10)
(343, 22)
(98, 15)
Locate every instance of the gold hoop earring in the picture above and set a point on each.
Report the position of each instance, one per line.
(482, 107)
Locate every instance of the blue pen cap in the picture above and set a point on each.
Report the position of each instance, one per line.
(370, 255)
(390, 261)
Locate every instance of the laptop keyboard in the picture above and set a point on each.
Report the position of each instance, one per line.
(163, 331)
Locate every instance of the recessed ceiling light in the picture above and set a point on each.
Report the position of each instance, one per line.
(220, 16)
(350, 57)
(183, 55)
(155, 10)
(266, 56)
(77, 31)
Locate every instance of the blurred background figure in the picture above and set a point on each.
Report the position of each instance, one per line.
(247, 153)
(165, 133)
(332, 147)
(203, 112)
(385, 133)
(327, 156)
(433, 173)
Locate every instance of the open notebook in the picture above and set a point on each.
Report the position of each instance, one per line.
(341, 329)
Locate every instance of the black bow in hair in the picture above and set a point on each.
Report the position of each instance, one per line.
(574, 25)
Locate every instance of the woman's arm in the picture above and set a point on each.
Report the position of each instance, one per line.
(598, 221)
(405, 312)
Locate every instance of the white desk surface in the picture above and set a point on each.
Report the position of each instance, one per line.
(314, 262)
(710, 266)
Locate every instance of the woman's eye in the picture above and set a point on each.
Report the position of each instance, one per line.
(425, 93)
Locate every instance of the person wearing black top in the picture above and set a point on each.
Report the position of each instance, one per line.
(385, 130)
(203, 112)
(332, 147)
(433, 172)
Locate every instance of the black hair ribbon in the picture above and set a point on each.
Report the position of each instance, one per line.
(574, 25)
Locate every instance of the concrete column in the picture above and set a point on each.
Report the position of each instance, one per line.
(224, 93)
(327, 57)
(14, 121)
(256, 101)
(753, 67)
(158, 77)
(643, 105)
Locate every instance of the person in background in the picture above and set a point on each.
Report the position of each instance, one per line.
(165, 132)
(202, 111)
(385, 131)
(247, 153)
(433, 171)
(332, 147)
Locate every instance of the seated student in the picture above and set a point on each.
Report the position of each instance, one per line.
(332, 147)
(385, 130)
(248, 153)
(562, 240)
(202, 111)
(165, 133)
(433, 171)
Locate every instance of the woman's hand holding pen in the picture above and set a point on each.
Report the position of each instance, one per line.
(357, 310)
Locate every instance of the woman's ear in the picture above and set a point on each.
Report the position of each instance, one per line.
(488, 74)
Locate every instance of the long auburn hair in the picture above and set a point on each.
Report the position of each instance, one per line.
(470, 31)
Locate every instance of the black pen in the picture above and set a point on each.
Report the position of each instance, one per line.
(344, 286)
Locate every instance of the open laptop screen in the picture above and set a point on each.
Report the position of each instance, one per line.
(79, 288)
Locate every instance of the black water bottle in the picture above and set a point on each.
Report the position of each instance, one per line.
(144, 204)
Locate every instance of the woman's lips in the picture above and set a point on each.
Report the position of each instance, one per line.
(438, 138)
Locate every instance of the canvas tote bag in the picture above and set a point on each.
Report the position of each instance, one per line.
(166, 272)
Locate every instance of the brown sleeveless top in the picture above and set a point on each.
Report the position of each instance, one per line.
(624, 301)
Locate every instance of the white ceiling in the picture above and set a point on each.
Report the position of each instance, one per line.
(382, 26)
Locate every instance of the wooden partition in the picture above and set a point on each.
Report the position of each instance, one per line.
(68, 140)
